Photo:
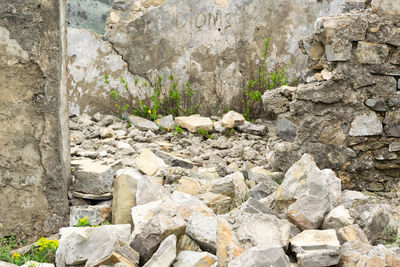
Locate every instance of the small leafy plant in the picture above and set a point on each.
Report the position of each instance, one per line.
(43, 250)
(84, 222)
(262, 81)
(205, 133)
(164, 100)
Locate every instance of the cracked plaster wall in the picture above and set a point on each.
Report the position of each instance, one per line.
(34, 149)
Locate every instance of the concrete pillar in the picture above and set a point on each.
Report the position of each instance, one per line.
(34, 142)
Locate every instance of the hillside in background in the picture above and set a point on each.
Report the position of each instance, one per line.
(88, 14)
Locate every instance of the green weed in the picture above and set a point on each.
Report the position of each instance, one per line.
(205, 133)
(262, 81)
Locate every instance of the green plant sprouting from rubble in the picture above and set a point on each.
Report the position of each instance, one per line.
(43, 250)
(165, 100)
(261, 81)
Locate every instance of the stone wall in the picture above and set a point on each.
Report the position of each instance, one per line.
(216, 45)
(34, 148)
(348, 115)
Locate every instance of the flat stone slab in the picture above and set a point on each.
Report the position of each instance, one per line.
(194, 123)
(316, 248)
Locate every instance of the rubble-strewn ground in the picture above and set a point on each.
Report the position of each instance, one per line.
(193, 201)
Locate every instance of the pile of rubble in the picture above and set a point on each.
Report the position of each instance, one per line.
(179, 199)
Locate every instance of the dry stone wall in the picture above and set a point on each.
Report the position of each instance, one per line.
(34, 148)
(348, 115)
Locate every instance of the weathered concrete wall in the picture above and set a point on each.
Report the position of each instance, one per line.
(34, 148)
(216, 45)
(348, 116)
(89, 59)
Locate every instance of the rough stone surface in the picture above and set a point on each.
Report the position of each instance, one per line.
(286, 130)
(351, 233)
(366, 125)
(363, 254)
(78, 243)
(148, 163)
(143, 124)
(96, 215)
(203, 230)
(193, 259)
(113, 252)
(148, 191)
(165, 254)
(92, 177)
(335, 116)
(169, 217)
(232, 119)
(337, 218)
(261, 256)
(35, 171)
(315, 248)
(386, 7)
(124, 198)
(204, 42)
(194, 123)
(308, 193)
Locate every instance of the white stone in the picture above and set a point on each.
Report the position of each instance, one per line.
(78, 243)
(337, 218)
(232, 119)
(366, 125)
(148, 191)
(259, 256)
(316, 248)
(148, 163)
(195, 259)
(203, 229)
(194, 123)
